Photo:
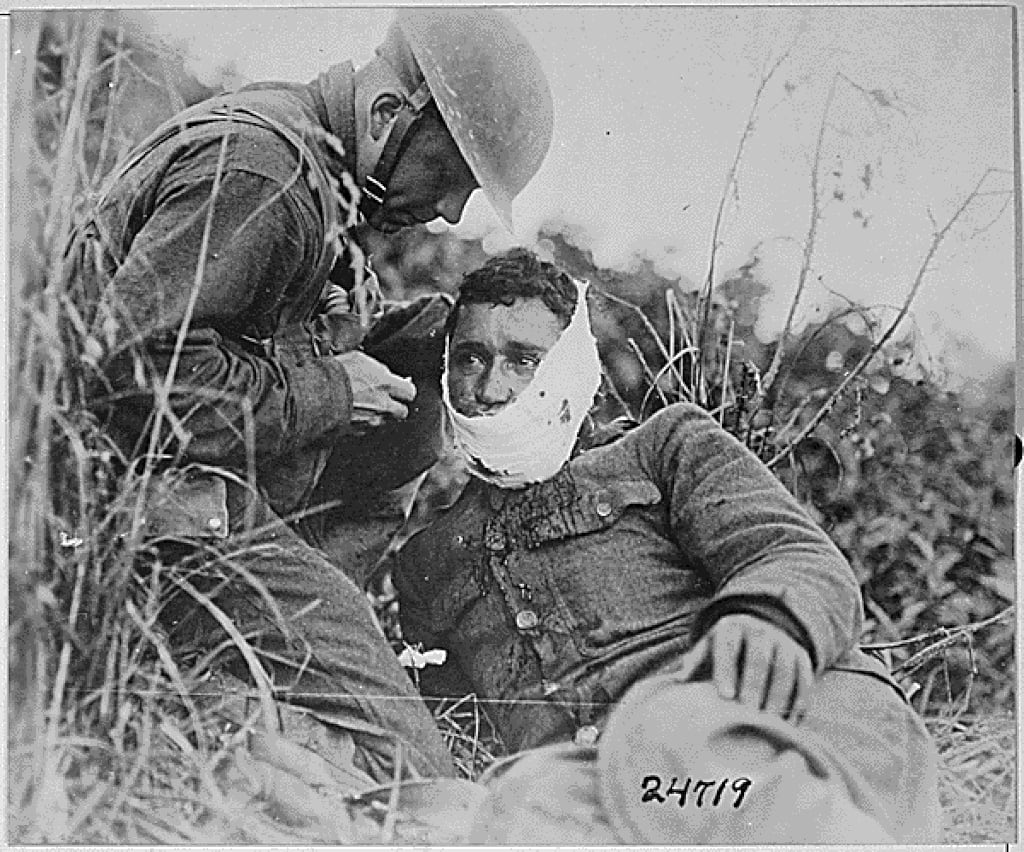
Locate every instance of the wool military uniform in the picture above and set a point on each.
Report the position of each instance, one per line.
(555, 600)
(227, 219)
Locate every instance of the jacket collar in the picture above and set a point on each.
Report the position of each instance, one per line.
(333, 93)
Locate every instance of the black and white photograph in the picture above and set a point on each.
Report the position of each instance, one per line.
(523, 425)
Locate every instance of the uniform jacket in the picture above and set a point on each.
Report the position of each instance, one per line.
(248, 373)
(553, 599)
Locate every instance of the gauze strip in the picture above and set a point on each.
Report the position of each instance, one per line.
(531, 438)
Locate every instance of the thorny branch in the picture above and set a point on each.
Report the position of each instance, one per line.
(809, 243)
(946, 636)
(730, 182)
(937, 240)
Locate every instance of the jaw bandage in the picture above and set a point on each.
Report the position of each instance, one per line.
(530, 439)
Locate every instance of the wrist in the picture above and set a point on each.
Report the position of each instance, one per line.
(764, 609)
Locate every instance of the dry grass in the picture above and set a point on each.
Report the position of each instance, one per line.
(977, 778)
(469, 735)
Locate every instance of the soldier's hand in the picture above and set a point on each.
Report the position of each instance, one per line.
(334, 300)
(378, 395)
(756, 663)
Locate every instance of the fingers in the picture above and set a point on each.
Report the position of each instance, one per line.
(378, 395)
(401, 388)
(803, 685)
(694, 658)
(380, 411)
(757, 664)
(728, 659)
(395, 410)
(370, 378)
(788, 678)
(779, 683)
(770, 674)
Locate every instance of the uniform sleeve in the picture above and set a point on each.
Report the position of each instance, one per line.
(261, 243)
(742, 528)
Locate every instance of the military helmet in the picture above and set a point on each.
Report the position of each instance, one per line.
(489, 88)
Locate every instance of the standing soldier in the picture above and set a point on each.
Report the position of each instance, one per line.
(220, 275)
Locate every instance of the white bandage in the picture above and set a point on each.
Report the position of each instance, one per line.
(531, 438)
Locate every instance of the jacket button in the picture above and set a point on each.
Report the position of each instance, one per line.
(586, 736)
(214, 523)
(526, 619)
(604, 508)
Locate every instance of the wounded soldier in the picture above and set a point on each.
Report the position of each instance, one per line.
(655, 625)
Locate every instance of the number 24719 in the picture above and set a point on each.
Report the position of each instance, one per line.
(695, 791)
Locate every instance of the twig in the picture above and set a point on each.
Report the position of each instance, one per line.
(730, 181)
(809, 243)
(787, 370)
(387, 832)
(725, 376)
(998, 216)
(972, 673)
(651, 378)
(616, 394)
(670, 366)
(937, 239)
(940, 633)
(611, 297)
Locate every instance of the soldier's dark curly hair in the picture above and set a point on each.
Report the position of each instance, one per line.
(517, 274)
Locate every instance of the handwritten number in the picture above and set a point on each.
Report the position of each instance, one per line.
(652, 790)
(740, 785)
(721, 789)
(673, 790)
(700, 788)
(651, 794)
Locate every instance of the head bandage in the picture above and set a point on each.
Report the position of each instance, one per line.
(531, 438)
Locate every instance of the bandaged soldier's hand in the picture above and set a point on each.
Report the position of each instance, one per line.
(378, 395)
(754, 662)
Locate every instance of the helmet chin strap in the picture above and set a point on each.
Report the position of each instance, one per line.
(375, 191)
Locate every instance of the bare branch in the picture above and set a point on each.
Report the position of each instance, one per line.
(875, 97)
(648, 325)
(946, 635)
(937, 241)
(809, 243)
(728, 189)
(725, 375)
(1006, 203)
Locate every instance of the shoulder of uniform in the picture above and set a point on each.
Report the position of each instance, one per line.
(268, 149)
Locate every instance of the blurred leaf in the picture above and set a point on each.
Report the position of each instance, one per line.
(883, 530)
(1003, 581)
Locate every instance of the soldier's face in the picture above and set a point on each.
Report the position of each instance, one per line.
(495, 350)
(431, 179)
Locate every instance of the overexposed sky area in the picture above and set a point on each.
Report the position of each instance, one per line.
(651, 103)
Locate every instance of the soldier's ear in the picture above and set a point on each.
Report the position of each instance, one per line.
(385, 107)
